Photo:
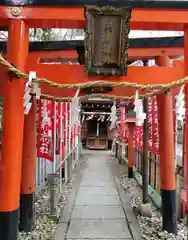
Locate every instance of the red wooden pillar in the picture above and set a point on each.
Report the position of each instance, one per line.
(27, 212)
(167, 160)
(186, 107)
(12, 137)
(131, 126)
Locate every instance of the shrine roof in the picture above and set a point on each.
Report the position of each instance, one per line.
(73, 44)
(168, 4)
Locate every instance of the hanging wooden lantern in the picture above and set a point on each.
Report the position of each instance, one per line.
(106, 40)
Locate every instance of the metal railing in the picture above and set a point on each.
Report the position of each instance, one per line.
(63, 169)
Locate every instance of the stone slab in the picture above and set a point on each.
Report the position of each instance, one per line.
(103, 168)
(97, 165)
(97, 157)
(99, 178)
(97, 183)
(96, 168)
(129, 212)
(96, 200)
(97, 190)
(66, 211)
(97, 212)
(60, 233)
(96, 173)
(102, 228)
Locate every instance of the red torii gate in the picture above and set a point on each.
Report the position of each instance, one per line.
(18, 20)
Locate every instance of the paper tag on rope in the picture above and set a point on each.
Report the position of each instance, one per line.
(99, 118)
(27, 98)
(180, 104)
(136, 94)
(180, 99)
(113, 117)
(138, 109)
(32, 75)
(102, 119)
(108, 119)
(140, 117)
(36, 88)
(90, 117)
(27, 93)
(113, 123)
(28, 107)
(83, 118)
(75, 109)
(137, 101)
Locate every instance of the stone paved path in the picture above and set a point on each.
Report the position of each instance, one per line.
(97, 212)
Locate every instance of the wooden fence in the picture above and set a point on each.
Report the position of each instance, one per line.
(121, 153)
(154, 163)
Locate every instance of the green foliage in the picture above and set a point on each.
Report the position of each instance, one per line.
(42, 34)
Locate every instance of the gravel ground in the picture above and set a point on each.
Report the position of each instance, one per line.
(45, 226)
(151, 227)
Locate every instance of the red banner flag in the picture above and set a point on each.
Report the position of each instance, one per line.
(58, 127)
(65, 122)
(150, 124)
(123, 130)
(62, 130)
(69, 122)
(45, 129)
(155, 147)
(139, 136)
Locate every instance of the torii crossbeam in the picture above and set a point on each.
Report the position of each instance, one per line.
(18, 18)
